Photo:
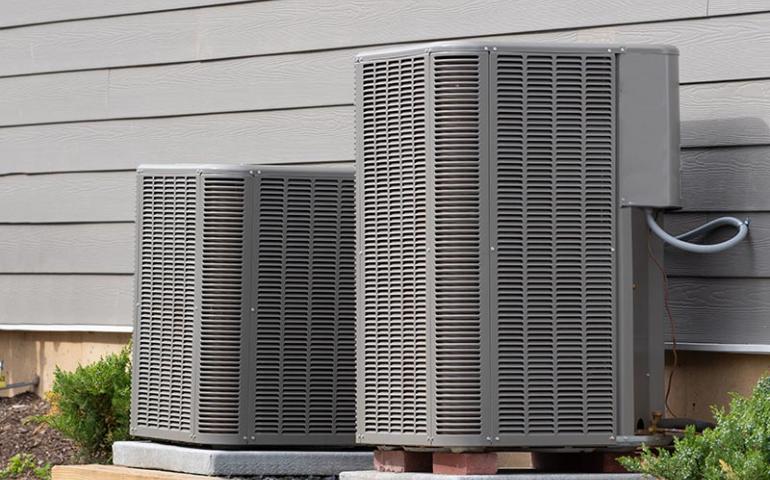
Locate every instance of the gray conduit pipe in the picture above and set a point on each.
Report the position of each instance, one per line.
(680, 241)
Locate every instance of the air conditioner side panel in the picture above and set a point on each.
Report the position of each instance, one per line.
(648, 129)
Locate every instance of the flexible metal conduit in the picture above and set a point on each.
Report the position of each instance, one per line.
(680, 241)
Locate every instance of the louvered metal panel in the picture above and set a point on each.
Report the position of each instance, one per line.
(165, 309)
(506, 160)
(392, 265)
(222, 263)
(305, 337)
(553, 277)
(458, 96)
(246, 294)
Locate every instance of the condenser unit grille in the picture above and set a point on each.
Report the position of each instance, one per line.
(457, 137)
(221, 304)
(392, 270)
(166, 293)
(553, 273)
(490, 300)
(304, 353)
(246, 326)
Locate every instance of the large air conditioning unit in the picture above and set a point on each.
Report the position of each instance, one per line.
(505, 289)
(245, 313)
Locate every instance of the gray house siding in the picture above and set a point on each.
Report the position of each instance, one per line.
(88, 92)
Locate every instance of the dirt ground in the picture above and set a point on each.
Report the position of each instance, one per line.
(16, 436)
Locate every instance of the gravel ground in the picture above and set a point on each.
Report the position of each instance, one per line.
(44, 443)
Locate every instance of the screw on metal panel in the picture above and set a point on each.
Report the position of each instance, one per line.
(647, 374)
(253, 438)
(497, 438)
(489, 439)
(486, 48)
(251, 172)
(492, 248)
(253, 309)
(259, 172)
(612, 437)
(494, 49)
(612, 249)
(245, 438)
(609, 50)
(622, 49)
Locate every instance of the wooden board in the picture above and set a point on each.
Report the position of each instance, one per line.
(298, 136)
(261, 28)
(703, 379)
(731, 7)
(730, 113)
(15, 13)
(112, 472)
(27, 354)
(721, 310)
(249, 84)
(73, 197)
(66, 299)
(724, 114)
(75, 248)
(726, 179)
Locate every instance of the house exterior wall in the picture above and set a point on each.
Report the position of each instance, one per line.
(90, 90)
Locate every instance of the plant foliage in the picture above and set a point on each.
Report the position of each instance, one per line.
(23, 463)
(738, 448)
(92, 405)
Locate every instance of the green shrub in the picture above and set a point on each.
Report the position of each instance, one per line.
(22, 463)
(738, 448)
(91, 405)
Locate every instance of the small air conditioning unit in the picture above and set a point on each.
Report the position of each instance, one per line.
(244, 330)
(506, 296)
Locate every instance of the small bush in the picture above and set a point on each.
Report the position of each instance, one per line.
(92, 405)
(738, 448)
(22, 463)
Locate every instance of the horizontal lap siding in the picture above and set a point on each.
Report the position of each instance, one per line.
(100, 96)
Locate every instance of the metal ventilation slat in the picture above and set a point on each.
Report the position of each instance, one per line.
(305, 340)
(554, 271)
(394, 334)
(457, 263)
(222, 304)
(165, 317)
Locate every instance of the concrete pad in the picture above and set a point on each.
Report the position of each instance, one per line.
(524, 475)
(203, 461)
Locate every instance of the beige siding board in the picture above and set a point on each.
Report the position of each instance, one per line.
(78, 248)
(731, 7)
(730, 113)
(726, 179)
(749, 258)
(299, 136)
(25, 12)
(259, 83)
(75, 197)
(733, 113)
(713, 49)
(66, 299)
(294, 25)
(721, 310)
(310, 135)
